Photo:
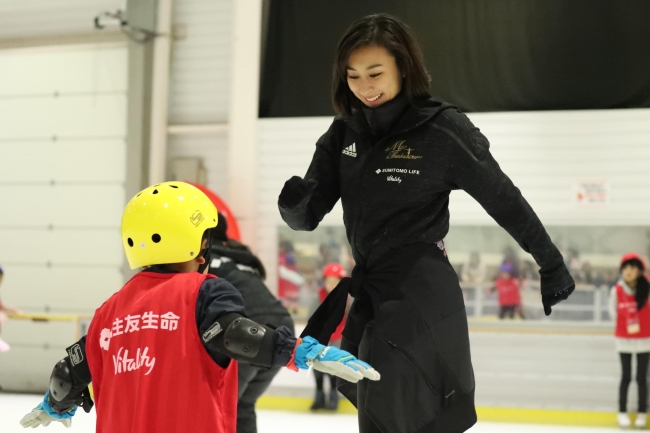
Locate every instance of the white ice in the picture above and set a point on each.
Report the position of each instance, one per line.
(14, 406)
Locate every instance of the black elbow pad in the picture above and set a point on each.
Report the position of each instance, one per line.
(65, 391)
(242, 340)
(60, 382)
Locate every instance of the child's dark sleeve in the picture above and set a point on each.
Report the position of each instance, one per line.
(227, 334)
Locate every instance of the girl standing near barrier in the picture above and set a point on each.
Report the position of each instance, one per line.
(628, 308)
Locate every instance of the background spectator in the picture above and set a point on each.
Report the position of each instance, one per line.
(507, 286)
(511, 259)
(289, 280)
(473, 271)
(574, 264)
(628, 307)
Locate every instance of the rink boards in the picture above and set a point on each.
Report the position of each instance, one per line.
(563, 369)
(544, 370)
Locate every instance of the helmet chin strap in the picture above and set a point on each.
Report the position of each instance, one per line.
(205, 252)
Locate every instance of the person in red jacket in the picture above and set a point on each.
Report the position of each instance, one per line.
(162, 352)
(332, 275)
(628, 308)
(508, 289)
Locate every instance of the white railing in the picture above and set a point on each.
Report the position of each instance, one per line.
(588, 302)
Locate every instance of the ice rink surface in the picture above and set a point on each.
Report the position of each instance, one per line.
(13, 407)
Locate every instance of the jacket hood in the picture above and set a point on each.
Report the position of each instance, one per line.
(240, 257)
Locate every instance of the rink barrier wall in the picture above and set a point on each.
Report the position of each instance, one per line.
(489, 414)
(543, 372)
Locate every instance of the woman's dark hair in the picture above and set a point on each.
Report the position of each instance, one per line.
(635, 263)
(389, 32)
(642, 291)
(642, 286)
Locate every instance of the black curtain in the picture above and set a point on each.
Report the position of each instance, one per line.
(482, 55)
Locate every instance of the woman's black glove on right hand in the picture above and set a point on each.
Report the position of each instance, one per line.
(296, 192)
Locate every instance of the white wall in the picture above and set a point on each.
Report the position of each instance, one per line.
(30, 18)
(62, 174)
(200, 70)
(199, 92)
(212, 148)
(544, 153)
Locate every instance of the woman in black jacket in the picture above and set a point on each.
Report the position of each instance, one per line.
(392, 156)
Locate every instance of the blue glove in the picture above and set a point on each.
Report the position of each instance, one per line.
(43, 414)
(332, 360)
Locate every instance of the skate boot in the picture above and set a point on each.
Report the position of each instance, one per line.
(333, 403)
(641, 419)
(623, 420)
(319, 401)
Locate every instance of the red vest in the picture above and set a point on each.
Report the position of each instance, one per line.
(150, 371)
(508, 291)
(631, 323)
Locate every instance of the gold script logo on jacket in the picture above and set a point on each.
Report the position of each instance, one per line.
(399, 150)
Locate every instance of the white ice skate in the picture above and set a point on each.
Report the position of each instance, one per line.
(623, 420)
(641, 420)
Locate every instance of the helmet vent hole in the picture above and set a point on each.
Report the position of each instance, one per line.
(173, 186)
(155, 191)
(130, 242)
(138, 195)
(192, 254)
(155, 237)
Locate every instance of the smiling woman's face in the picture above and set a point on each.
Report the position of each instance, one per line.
(373, 75)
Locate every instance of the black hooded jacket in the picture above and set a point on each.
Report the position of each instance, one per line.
(394, 168)
(242, 269)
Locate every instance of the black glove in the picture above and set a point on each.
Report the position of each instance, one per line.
(554, 298)
(296, 192)
(556, 284)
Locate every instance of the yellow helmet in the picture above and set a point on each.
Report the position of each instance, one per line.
(165, 224)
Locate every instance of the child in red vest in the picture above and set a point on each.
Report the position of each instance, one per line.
(332, 275)
(161, 352)
(508, 289)
(628, 307)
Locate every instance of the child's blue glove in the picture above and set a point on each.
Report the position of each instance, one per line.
(43, 414)
(332, 360)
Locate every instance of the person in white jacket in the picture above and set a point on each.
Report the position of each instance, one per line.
(628, 308)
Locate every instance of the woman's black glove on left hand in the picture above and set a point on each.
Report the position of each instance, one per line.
(554, 298)
(557, 285)
(296, 192)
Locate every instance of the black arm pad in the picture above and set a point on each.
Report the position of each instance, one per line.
(241, 339)
(60, 383)
(70, 379)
